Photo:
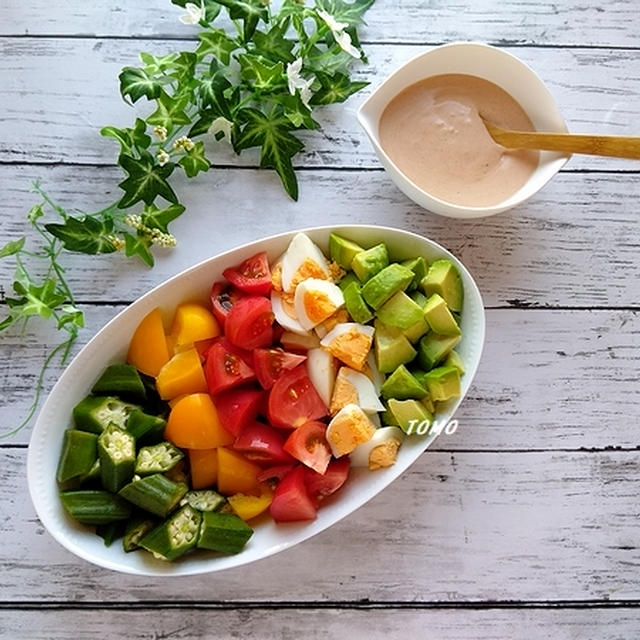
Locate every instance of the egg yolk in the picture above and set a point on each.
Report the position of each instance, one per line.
(317, 306)
(384, 455)
(352, 347)
(344, 393)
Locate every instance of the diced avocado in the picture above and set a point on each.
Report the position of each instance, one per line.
(408, 414)
(355, 304)
(391, 347)
(434, 348)
(419, 267)
(343, 251)
(428, 404)
(96, 413)
(370, 261)
(402, 385)
(347, 279)
(418, 297)
(400, 311)
(443, 278)
(443, 383)
(416, 331)
(379, 288)
(439, 317)
(454, 360)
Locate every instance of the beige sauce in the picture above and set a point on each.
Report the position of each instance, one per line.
(434, 135)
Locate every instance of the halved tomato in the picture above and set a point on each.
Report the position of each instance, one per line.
(249, 324)
(308, 444)
(223, 297)
(225, 367)
(293, 400)
(291, 501)
(238, 407)
(321, 485)
(277, 472)
(252, 276)
(269, 364)
(261, 443)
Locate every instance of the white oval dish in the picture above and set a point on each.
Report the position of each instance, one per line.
(483, 61)
(110, 345)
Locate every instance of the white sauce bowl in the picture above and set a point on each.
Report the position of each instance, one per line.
(494, 65)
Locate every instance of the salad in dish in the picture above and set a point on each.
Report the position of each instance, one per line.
(258, 404)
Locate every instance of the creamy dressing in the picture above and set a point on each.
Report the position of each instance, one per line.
(433, 133)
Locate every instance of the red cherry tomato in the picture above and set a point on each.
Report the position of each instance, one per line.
(249, 324)
(237, 407)
(223, 297)
(225, 367)
(277, 472)
(291, 501)
(321, 485)
(293, 400)
(270, 364)
(262, 443)
(308, 444)
(252, 276)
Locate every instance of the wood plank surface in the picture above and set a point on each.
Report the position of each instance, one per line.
(594, 89)
(456, 527)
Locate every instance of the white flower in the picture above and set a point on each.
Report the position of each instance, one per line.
(221, 124)
(183, 143)
(338, 31)
(331, 22)
(194, 13)
(163, 157)
(296, 81)
(160, 132)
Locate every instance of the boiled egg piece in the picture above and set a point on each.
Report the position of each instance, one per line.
(321, 367)
(350, 342)
(284, 319)
(353, 387)
(315, 300)
(381, 450)
(303, 259)
(349, 428)
(299, 342)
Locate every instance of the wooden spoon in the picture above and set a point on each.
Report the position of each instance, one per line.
(615, 146)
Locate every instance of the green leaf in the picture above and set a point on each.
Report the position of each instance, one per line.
(194, 161)
(138, 246)
(272, 133)
(157, 64)
(332, 61)
(34, 213)
(249, 11)
(12, 247)
(295, 111)
(212, 92)
(211, 8)
(84, 235)
(127, 137)
(135, 83)
(71, 315)
(184, 66)
(36, 300)
(259, 73)
(218, 44)
(155, 218)
(146, 181)
(273, 44)
(334, 88)
(169, 112)
(349, 12)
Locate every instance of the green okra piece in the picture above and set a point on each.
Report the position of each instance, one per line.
(145, 427)
(155, 494)
(175, 536)
(111, 531)
(137, 527)
(204, 500)
(154, 404)
(157, 458)
(223, 532)
(96, 413)
(121, 380)
(79, 454)
(93, 476)
(117, 455)
(95, 506)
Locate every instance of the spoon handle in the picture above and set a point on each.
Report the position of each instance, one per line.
(614, 146)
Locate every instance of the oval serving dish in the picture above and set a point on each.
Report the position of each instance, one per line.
(110, 345)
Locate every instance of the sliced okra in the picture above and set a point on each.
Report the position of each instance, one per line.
(95, 506)
(204, 500)
(111, 531)
(157, 458)
(137, 528)
(175, 536)
(117, 454)
(145, 427)
(179, 473)
(122, 380)
(93, 476)
(155, 493)
(223, 532)
(79, 454)
(96, 413)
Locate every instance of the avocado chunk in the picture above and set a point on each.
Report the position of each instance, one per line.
(454, 360)
(355, 304)
(400, 311)
(409, 414)
(379, 288)
(419, 267)
(343, 251)
(434, 348)
(418, 297)
(391, 347)
(402, 385)
(443, 278)
(443, 383)
(370, 261)
(347, 279)
(416, 331)
(440, 319)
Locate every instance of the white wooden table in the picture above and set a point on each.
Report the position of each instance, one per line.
(525, 522)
